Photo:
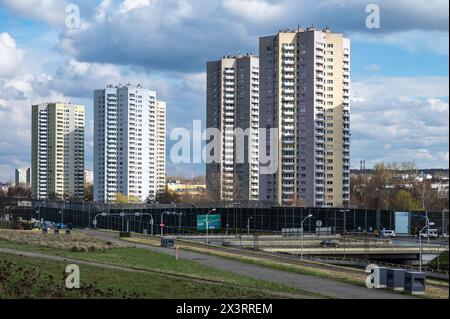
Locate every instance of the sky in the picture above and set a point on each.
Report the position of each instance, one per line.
(399, 99)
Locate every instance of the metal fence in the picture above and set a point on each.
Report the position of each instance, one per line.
(234, 219)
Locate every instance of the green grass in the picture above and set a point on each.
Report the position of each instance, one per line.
(26, 277)
(232, 285)
(443, 260)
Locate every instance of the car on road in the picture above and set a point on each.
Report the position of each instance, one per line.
(432, 233)
(387, 233)
(328, 244)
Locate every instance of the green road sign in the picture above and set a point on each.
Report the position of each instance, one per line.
(214, 222)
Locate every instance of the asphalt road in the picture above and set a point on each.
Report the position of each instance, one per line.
(322, 286)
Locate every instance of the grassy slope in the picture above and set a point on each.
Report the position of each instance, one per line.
(144, 259)
(25, 277)
(438, 290)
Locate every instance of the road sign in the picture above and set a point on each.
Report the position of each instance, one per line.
(319, 223)
(214, 222)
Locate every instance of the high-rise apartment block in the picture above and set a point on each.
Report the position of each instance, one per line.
(161, 146)
(23, 177)
(57, 151)
(305, 85)
(129, 143)
(233, 103)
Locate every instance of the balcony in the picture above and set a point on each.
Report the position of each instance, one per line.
(289, 62)
(289, 54)
(288, 76)
(287, 98)
(320, 133)
(288, 156)
(288, 91)
(289, 84)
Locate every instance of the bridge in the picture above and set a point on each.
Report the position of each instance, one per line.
(398, 254)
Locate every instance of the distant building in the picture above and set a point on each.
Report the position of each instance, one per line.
(57, 153)
(88, 176)
(5, 186)
(233, 104)
(181, 188)
(23, 177)
(129, 143)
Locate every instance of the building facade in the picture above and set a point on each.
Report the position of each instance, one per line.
(88, 176)
(232, 170)
(129, 143)
(23, 177)
(57, 169)
(305, 85)
(183, 188)
(161, 146)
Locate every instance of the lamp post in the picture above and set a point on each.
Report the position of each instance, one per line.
(38, 212)
(345, 219)
(427, 226)
(152, 221)
(207, 224)
(94, 221)
(248, 226)
(162, 224)
(301, 235)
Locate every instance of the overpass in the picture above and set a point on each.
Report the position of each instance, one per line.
(409, 255)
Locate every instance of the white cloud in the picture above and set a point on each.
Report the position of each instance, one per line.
(49, 11)
(438, 105)
(399, 87)
(255, 10)
(435, 41)
(128, 5)
(400, 118)
(11, 56)
(372, 68)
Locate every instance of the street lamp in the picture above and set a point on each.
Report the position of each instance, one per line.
(345, 218)
(301, 235)
(207, 224)
(427, 226)
(140, 214)
(162, 223)
(248, 226)
(94, 221)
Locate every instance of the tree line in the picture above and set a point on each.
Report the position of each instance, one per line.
(394, 186)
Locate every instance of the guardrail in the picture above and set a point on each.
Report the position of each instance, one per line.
(381, 263)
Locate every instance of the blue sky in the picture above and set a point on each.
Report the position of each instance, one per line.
(399, 72)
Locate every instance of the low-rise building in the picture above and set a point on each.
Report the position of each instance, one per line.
(188, 189)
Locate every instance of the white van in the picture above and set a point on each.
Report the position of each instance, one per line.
(387, 233)
(432, 233)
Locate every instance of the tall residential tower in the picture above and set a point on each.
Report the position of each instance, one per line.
(57, 161)
(233, 103)
(129, 143)
(305, 85)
